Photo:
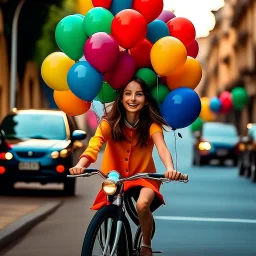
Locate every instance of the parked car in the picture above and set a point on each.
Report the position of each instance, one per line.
(247, 153)
(41, 147)
(215, 141)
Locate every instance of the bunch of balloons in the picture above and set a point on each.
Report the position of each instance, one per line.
(115, 40)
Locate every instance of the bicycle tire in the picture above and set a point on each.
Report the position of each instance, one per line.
(125, 242)
(138, 236)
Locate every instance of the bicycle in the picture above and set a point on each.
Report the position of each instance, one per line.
(110, 226)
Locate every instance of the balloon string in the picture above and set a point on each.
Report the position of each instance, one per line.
(176, 154)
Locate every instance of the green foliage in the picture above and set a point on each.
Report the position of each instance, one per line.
(46, 43)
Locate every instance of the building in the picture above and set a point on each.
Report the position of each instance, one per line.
(231, 57)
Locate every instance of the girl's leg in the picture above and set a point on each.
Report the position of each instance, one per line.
(145, 216)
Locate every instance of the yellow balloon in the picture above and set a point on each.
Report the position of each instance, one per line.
(55, 69)
(189, 75)
(206, 114)
(168, 54)
(83, 6)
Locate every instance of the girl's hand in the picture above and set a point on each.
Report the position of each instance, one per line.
(77, 170)
(172, 175)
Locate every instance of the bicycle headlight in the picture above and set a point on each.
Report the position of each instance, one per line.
(109, 187)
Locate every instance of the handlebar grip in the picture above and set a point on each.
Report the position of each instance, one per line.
(183, 177)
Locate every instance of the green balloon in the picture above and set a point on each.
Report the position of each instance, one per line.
(239, 97)
(107, 94)
(148, 76)
(70, 36)
(197, 125)
(160, 92)
(79, 15)
(98, 19)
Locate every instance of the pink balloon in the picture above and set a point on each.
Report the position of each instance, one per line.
(101, 51)
(165, 16)
(226, 102)
(91, 119)
(123, 72)
(193, 49)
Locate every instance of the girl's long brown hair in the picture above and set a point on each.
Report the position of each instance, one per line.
(149, 114)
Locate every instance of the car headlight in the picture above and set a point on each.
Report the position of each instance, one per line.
(241, 147)
(64, 153)
(55, 154)
(204, 145)
(109, 187)
(8, 156)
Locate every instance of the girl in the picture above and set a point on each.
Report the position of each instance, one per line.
(130, 130)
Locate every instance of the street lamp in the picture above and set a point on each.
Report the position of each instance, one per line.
(13, 71)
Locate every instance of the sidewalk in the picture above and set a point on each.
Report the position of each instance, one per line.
(17, 218)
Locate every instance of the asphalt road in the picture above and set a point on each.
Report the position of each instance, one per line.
(214, 214)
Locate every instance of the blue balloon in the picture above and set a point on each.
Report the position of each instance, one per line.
(215, 104)
(119, 5)
(156, 30)
(181, 107)
(84, 80)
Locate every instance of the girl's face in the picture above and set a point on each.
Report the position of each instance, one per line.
(133, 97)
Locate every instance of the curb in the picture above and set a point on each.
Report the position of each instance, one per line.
(16, 229)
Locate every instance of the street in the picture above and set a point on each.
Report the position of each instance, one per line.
(213, 214)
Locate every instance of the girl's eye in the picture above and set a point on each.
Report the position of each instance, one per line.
(140, 94)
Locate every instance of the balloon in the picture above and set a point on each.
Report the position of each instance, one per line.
(215, 104)
(189, 75)
(84, 81)
(141, 54)
(84, 6)
(156, 30)
(70, 104)
(91, 120)
(101, 51)
(165, 16)
(117, 5)
(197, 125)
(183, 29)
(168, 54)
(129, 28)
(181, 107)
(160, 92)
(70, 36)
(206, 114)
(148, 76)
(55, 69)
(107, 93)
(150, 9)
(123, 71)
(98, 20)
(193, 49)
(239, 97)
(226, 102)
(79, 15)
(102, 3)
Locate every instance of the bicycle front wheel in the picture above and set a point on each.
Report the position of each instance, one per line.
(101, 233)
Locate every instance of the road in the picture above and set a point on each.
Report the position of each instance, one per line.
(214, 214)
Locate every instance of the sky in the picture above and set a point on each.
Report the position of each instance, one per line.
(199, 12)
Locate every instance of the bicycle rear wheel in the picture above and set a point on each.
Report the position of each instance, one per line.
(100, 230)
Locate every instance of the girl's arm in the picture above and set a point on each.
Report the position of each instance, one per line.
(165, 156)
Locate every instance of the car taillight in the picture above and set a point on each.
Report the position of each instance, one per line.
(60, 168)
(2, 156)
(2, 170)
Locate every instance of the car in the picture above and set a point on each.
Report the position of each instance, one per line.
(41, 147)
(247, 153)
(216, 140)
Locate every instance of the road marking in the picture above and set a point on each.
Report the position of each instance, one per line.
(177, 218)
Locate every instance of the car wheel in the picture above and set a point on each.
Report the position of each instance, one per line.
(69, 187)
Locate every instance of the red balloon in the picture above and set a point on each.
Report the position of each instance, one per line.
(183, 29)
(129, 28)
(150, 9)
(102, 3)
(141, 54)
(226, 102)
(193, 49)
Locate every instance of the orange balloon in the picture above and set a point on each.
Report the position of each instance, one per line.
(206, 114)
(70, 104)
(83, 6)
(167, 54)
(188, 75)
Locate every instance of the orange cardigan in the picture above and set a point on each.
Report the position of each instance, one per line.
(126, 157)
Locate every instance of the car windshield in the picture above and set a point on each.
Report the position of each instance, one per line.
(219, 130)
(34, 126)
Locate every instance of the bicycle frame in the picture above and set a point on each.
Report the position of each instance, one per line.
(115, 179)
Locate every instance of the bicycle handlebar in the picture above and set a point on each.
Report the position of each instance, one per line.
(153, 176)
